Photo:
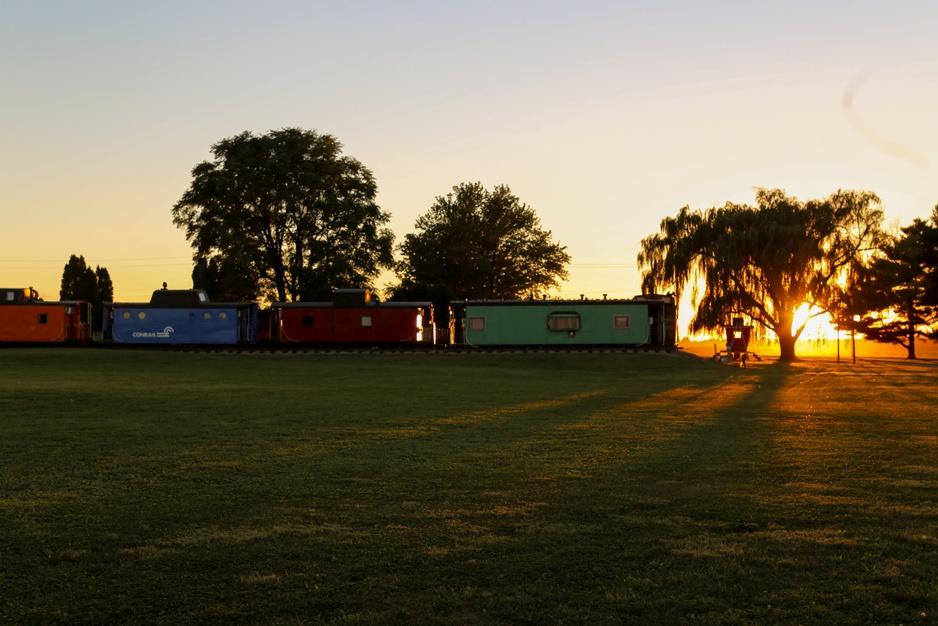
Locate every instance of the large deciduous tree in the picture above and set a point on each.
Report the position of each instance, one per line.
(226, 279)
(474, 243)
(286, 211)
(893, 294)
(766, 261)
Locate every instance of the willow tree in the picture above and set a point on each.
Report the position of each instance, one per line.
(767, 261)
(287, 211)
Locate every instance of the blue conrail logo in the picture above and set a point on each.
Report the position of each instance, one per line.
(166, 332)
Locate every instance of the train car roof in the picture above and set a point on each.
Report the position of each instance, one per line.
(331, 305)
(180, 299)
(175, 298)
(43, 302)
(646, 299)
(28, 295)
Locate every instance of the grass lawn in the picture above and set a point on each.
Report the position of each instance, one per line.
(187, 488)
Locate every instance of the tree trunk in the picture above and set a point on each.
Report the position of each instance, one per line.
(787, 345)
(786, 340)
(911, 345)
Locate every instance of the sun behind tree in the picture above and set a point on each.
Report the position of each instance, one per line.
(765, 261)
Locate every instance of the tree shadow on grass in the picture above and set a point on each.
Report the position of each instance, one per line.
(609, 537)
(692, 529)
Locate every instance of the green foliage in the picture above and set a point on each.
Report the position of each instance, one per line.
(284, 215)
(481, 244)
(892, 292)
(105, 287)
(226, 279)
(185, 488)
(440, 295)
(80, 282)
(765, 261)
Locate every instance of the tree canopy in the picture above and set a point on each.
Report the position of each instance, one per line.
(893, 294)
(226, 279)
(765, 261)
(285, 213)
(80, 282)
(474, 243)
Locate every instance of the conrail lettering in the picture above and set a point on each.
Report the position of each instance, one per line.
(164, 334)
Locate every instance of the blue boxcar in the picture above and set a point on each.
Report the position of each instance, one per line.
(181, 317)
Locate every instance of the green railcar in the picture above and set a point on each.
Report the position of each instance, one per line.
(642, 321)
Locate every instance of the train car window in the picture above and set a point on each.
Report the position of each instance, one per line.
(476, 323)
(366, 320)
(206, 315)
(222, 316)
(307, 321)
(621, 322)
(563, 321)
(142, 315)
(126, 315)
(43, 318)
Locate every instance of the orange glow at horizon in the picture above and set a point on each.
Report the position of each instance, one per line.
(819, 339)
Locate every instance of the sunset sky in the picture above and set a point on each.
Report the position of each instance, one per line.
(605, 117)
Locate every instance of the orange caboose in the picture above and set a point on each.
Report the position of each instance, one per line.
(26, 318)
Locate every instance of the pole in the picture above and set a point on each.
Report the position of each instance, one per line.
(853, 337)
(853, 342)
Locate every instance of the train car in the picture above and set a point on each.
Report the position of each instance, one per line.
(352, 318)
(181, 317)
(25, 318)
(643, 321)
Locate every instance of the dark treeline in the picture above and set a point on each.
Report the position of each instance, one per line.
(768, 260)
(286, 216)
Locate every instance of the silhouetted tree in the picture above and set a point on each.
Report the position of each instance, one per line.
(475, 243)
(225, 279)
(892, 291)
(105, 290)
(80, 282)
(440, 295)
(288, 211)
(767, 260)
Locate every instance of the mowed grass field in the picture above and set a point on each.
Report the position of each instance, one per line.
(187, 488)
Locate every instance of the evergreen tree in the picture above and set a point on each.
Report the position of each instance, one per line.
(104, 293)
(78, 281)
(892, 292)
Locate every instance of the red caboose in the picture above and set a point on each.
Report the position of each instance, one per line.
(26, 318)
(737, 343)
(353, 319)
(737, 339)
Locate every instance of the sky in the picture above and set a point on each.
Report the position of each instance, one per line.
(603, 116)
